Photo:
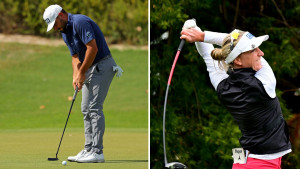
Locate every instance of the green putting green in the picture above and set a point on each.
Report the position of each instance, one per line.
(30, 149)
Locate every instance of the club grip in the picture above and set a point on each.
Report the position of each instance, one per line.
(75, 93)
(181, 44)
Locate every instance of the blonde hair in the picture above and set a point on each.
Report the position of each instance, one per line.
(221, 54)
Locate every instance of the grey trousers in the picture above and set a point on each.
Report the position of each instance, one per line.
(94, 91)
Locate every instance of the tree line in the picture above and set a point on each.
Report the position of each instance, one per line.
(122, 21)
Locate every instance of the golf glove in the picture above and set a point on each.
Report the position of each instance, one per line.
(191, 23)
(118, 70)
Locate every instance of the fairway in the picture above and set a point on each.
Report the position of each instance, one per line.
(36, 84)
(29, 149)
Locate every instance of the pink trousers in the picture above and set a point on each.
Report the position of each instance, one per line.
(253, 163)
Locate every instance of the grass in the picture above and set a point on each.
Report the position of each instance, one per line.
(30, 149)
(35, 83)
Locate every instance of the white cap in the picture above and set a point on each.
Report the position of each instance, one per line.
(247, 42)
(50, 15)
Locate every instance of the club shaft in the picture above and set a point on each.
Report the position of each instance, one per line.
(166, 97)
(175, 60)
(74, 97)
(164, 121)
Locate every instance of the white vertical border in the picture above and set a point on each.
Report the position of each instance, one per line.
(149, 84)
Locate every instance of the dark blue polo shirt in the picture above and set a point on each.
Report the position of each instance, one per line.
(79, 31)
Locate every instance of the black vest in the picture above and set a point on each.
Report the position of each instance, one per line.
(259, 117)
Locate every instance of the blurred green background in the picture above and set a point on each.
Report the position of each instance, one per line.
(121, 21)
(200, 132)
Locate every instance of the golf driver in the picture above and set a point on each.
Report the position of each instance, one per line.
(74, 96)
(172, 165)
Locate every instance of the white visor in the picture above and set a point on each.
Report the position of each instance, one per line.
(247, 42)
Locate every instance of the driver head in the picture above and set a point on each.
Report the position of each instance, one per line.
(175, 165)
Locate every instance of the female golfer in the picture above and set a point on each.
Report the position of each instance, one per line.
(245, 84)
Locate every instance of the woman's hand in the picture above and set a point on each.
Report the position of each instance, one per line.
(192, 35)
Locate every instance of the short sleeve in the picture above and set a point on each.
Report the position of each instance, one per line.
(72, 53)
(85, 31)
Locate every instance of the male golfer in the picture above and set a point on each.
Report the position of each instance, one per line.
(93, 71)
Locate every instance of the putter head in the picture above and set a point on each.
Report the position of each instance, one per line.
(176, 165)
(52, 159)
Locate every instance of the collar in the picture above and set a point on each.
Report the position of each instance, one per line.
(242, 73)
(69, 24)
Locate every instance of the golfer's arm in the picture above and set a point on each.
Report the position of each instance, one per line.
(76, 64)
(216, 74)
(214, 37)
(90, 54)
(267, 78)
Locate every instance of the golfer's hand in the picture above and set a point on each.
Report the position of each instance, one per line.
(79, 80)
(74, 83)
(192, 35)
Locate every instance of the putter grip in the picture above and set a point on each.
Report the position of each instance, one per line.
(181, 44)
(75, 93)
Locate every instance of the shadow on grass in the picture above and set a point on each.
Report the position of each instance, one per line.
(126, 161)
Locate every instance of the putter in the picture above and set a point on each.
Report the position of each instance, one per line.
(74, 96)
(171, 165)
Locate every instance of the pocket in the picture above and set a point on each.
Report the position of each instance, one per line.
(97, 69)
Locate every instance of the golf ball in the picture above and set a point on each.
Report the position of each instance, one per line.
(64, 163)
